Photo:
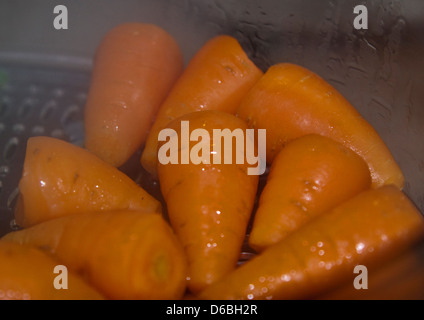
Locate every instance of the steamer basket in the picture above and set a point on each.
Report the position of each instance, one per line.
(45, 73)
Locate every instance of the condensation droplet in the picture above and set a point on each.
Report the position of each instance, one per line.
(48, 110)
(38, 130)
(4, 170)
(18, 128)
(10, 148)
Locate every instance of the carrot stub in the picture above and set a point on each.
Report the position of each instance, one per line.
(60, 178)
(209, 205)
(290, 101)
(134, 68)
(368, 229)
(124, 254)
(217, 78)
(308, 177)
(27, 273)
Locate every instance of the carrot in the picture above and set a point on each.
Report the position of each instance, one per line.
(368, 229)
(209, 205)
(135, 66)
(124, 254)
(217, 78)
(27, 273)
(308, 177)
(60, 178)
(400, 279)
(290, 101)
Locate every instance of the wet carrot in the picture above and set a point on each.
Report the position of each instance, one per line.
(217, 78)
(135, 66)
(209, 205)
(27, 273)
(290, 101)
(368, 229)
(308, 177)
(60, 178)
(400, 279)
(124, 254)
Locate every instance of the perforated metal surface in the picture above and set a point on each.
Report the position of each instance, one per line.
(33, 102)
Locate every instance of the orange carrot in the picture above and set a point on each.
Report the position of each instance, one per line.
(368, 229)
(308, 177)
(209, 205)
(400, 279)
(135, 66)
(124, 254)
(27, 273)
(60, 178)
(290, 101)
(217, 78)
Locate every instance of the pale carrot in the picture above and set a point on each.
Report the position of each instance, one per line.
(135, 66)
(27, 273)
(209, 205)
(368, 229)
(399, 279)
(60, 179)
(308, 177)
(217, 78)
(124, 254)
(290, 101)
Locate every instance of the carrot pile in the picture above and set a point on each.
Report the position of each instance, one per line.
(332, 199)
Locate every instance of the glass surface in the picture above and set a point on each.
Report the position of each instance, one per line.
(380, 70)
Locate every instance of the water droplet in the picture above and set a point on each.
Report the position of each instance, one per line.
(18, 128)
(360, 247)
(38, 130)
(10, 149)
(58, 92)
(285, 278)
(71, 115)
(4, 170)
(58, 133)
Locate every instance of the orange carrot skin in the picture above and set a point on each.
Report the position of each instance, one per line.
(400, 279)
(308, 177)
(368, 229)
(60, 179)
(124, 254)
(290, 101)
(135, 66)
(217, 78)
(27, 273)
(209, 205)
